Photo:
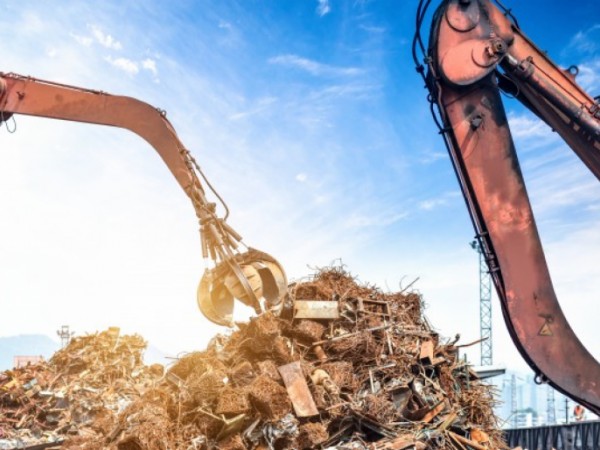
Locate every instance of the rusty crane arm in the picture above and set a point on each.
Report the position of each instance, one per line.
(474, 51)
(253, 277)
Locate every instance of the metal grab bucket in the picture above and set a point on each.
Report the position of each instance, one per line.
(253, 278)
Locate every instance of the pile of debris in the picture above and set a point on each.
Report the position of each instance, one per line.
(79, 392)
(345, 366)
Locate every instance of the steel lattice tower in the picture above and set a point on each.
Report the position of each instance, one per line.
(513, 401)
(65, 335)
(550, 407)
(485, 307)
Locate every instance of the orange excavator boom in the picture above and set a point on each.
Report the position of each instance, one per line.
(474, 52)
(253, 277)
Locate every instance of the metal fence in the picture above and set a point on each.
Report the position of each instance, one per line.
(574, 436)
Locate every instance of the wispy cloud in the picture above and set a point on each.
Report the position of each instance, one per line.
(314, 67)
(359, 220)
(128, 66)
(132, 68)
(230, 35)
(301, 177)
(565, 183)
(584, 50)
(584, 42)
(86, 41)
(431, 204)
(355, 90)
(527, 126)
(106, 40)
(556, 180)
(97, 36)
(530, 133)
(323, 7)
(225, 25)
(261, 105)
(434, 203)
(372, 29)
(432, 157)
(150, 65)
(589, 76)
(316, 108)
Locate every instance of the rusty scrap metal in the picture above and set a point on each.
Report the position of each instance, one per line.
(375, 377)
(297, 388)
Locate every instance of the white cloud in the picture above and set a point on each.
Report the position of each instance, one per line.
(225, 25)
(442, 200)
(583, 50)
(323, 8)
(589, 76)
(556, 179)
(584, 41)
(564, 184)
(527, 126)
(230, 36)
(432, 157)
(301, 177)
(430, 204)
(373, 29)
(314, 67)
(259, 106)
(573, 261)
(86, 41)
(99, 37)
(128, 66)
(150, 65)
(106, 40)
(321, 199)
(361, 220)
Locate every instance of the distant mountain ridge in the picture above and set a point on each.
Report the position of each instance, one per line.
(25, 344)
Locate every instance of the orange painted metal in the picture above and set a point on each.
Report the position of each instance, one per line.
(463, 80)
(25, 95)
(34, 97)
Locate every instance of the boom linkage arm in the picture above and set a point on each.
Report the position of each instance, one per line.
(470, 41)
(29, 96)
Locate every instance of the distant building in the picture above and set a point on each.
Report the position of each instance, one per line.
(24, 360)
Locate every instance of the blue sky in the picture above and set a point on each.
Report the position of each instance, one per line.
(309, 118)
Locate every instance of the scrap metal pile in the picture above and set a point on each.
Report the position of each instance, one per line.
(345, 366)
(79, 392)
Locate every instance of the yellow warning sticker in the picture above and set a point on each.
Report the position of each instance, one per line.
(545, 330)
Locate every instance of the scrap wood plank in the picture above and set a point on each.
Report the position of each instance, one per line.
(297, 388)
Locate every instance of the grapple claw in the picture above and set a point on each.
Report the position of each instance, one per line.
(254, 278)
